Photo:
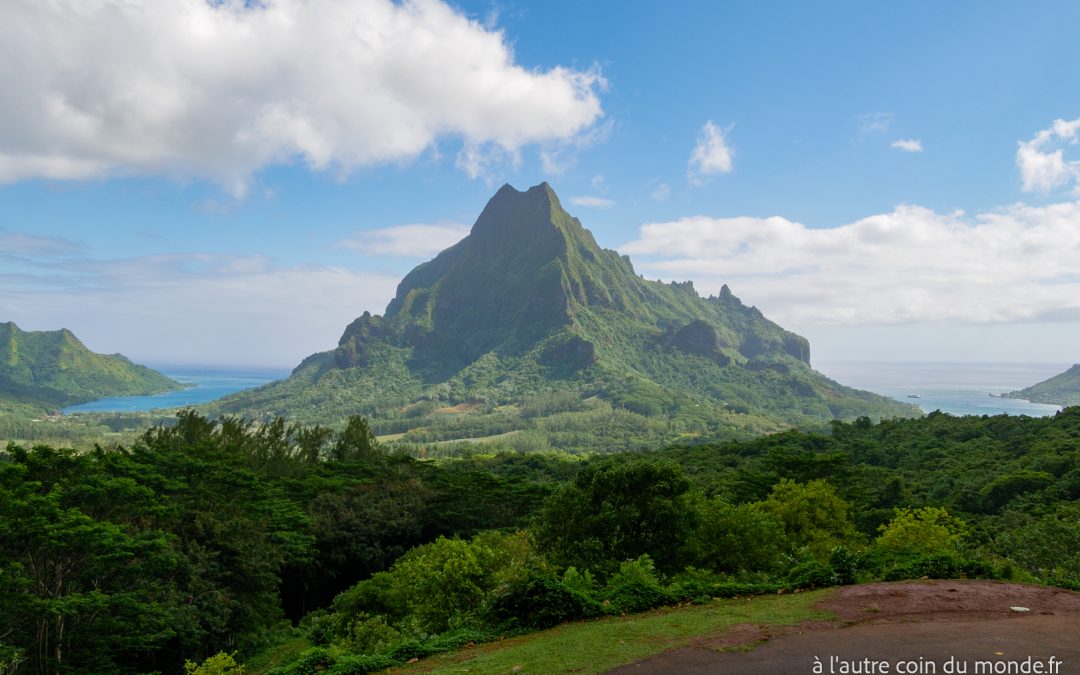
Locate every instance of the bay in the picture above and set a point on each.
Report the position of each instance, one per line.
(954, 388)
(204, 386)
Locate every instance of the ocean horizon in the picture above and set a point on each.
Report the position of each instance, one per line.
(971, 388)
(957, 388)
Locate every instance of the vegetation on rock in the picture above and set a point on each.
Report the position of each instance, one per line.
(528, 335)
(42, 371)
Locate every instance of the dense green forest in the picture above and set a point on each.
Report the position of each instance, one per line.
(230, 540)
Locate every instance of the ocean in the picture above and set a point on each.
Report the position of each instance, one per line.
(954, 388)
(205, 385)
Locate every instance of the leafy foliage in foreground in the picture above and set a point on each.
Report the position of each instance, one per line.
(200, 539)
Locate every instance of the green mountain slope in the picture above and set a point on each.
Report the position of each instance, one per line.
(46, 370)
(528, 331)
(1061, 389)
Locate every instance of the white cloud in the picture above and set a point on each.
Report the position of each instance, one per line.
(1017, 264)
(661, 193)
(592, 202)
(406, 240)
(874, 122)
(220, 90)
(907, 144)
(21, 243)
(190, 308)
(711, 154)
(559, 155)
(1042, 170)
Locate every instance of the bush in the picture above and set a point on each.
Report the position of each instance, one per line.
(541, 601)
(740, 538)
(940, 566)
(813, 515)
(846, 565)
(924, 531)
(636, 588)
(371, 635)
(218, 664)
(618, 510)
(811, 574)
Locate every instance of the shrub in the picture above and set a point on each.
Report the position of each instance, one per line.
(541, 601)
(740, 538)
(371, 635)
(218, 664)
(846, 565)
(636, 588)
(811, 574)
(929, 530)
(940, 566)
(813, 515)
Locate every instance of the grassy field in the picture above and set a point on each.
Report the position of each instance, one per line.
(595, 646)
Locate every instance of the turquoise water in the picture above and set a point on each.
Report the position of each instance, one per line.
(954, 388)
(204, 386)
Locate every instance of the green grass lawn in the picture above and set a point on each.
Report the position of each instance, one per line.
(595, 646)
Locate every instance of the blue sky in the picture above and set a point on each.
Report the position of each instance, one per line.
(222, 184)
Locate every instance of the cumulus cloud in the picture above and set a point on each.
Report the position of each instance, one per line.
(221, 89)
(661, 193)
(913, 264)
(907, 144)
(240, 310)
(592, 202)
(1044, 169)
(406, 240)
(711, 154)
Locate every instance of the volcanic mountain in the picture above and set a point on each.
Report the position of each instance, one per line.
(527, 333)
(44, 370)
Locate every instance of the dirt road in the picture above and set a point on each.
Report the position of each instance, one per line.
(937, 627)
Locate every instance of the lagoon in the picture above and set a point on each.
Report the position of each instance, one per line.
(204, 386)
(954, 388)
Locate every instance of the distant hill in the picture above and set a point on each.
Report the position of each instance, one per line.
(1062, 389)
(527, 332)
(48, 370)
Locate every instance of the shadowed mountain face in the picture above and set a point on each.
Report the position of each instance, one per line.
(53, 369)
(528, 304)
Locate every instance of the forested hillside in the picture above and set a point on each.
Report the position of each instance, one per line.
(42, 371)
(1061, 389)
(225, 538)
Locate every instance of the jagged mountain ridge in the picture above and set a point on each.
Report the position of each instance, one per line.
(528, 303)
(53, 369)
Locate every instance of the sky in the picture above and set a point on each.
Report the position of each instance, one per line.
(230, 183)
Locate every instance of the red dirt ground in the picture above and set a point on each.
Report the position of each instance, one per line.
(935, 627)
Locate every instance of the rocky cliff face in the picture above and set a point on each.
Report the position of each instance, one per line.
(528, 302)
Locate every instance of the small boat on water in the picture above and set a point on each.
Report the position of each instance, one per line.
(913, 396)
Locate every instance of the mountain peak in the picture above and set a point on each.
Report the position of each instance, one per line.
(528, 308)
